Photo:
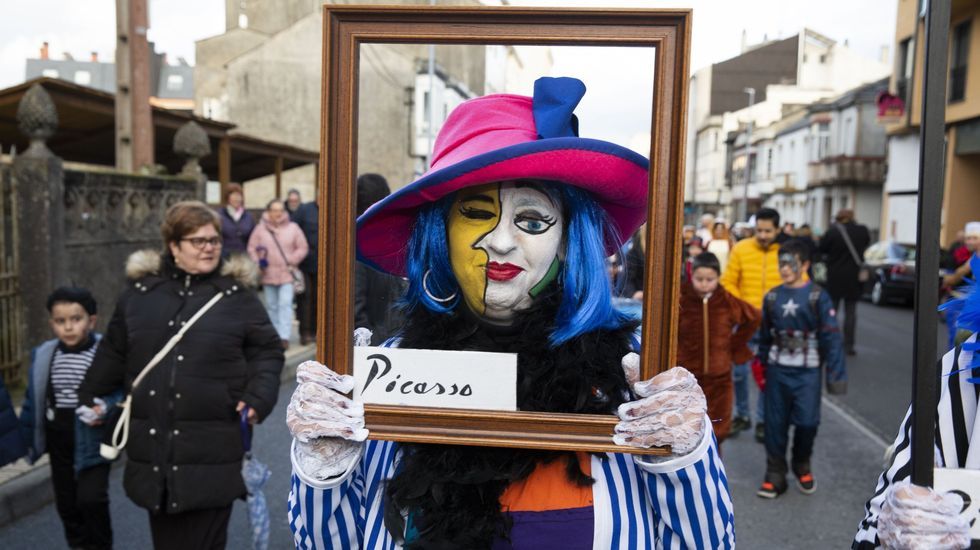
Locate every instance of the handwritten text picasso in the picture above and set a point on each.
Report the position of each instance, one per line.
(381, 371)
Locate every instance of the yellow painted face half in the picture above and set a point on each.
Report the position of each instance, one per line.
(474, 214)
(505, 246)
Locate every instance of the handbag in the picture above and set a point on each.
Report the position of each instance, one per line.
(117, 420)
(864, 274)
(299, 282)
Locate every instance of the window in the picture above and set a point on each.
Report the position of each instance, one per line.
(175, 82)
(957, 62)
(83, 77)
(50, 73)
(906, 50)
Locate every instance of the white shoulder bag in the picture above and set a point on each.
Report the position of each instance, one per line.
(120, 434)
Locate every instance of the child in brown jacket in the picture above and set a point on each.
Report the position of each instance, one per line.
(714, 331)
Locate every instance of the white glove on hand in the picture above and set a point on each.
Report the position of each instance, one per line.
(670, 411)
(92, 416)
(328, 426)
(914, 517)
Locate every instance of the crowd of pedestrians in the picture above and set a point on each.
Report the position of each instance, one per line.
(749, 309)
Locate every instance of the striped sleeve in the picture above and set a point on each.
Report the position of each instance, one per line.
(956, 415)
(345, 514)
(691, 499)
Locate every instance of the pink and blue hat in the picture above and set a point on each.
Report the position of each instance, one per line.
(504, 137)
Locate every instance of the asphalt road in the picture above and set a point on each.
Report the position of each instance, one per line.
(847, 460)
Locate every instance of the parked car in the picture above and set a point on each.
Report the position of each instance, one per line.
(892, 266)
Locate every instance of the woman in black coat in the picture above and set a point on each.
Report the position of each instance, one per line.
(185, 443)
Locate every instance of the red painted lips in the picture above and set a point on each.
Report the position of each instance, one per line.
(502, 272)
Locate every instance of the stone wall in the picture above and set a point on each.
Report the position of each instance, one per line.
(108, 216)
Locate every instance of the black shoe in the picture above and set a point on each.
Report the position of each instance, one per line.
(851, 352)
(806, 483)
(739, 423)
(760, 432)
(769, 489)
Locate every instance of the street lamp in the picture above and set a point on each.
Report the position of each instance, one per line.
(748, 156)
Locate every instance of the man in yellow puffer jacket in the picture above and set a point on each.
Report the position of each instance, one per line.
(752, 270)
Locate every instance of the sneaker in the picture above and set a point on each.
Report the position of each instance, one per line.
(769, 489)
(806, 483)
(739, 423)
(760, 432)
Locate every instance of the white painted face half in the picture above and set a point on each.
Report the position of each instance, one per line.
(522, 250)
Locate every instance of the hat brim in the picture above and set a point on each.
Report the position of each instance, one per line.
(617, 177)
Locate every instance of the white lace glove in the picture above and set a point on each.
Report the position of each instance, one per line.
(328, 426)
(92, 416)
(670, 411)
(914, 517)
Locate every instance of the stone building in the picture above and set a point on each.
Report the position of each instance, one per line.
(263, 74)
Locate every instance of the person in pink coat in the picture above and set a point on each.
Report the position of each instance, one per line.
(278, 245)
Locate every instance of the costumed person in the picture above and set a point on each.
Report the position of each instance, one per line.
(799, 334)
(953, 281)
(713, 333)
(903, 515)
(504, 243)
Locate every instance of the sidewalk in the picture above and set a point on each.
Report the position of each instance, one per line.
(25, 488)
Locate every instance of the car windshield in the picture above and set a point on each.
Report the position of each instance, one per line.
(901, 252)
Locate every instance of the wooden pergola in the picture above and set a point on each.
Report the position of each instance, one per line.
(86, 132)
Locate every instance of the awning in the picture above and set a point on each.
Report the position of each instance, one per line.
(86, 133)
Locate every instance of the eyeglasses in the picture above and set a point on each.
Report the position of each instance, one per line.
(200, 242)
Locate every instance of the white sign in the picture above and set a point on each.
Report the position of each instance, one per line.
(965, 483)
(435, 378)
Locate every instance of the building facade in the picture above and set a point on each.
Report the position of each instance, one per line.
(961, 180)
(171, 86)
(785, 74)
(263, 74)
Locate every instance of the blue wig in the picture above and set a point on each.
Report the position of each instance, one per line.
(586, 295)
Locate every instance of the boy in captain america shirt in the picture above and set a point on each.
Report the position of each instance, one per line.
(799, 333)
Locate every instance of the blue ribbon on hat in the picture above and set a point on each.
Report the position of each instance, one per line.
(554, 101)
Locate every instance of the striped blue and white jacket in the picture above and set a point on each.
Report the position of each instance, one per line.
(680, 503)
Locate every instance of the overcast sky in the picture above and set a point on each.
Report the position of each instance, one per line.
(618, 84)
(80, 27)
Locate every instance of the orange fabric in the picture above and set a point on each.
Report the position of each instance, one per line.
(548, 488)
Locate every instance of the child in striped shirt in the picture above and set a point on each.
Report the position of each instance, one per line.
(52, 421)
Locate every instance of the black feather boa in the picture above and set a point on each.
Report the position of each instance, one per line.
(452, 493)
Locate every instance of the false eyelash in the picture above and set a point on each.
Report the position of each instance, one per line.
(548, 220)
(476, 213)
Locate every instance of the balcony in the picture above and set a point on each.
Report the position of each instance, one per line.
(843, 170)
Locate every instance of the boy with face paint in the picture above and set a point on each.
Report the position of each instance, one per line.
(799, 333)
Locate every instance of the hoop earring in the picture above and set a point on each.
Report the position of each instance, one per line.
(425, 288)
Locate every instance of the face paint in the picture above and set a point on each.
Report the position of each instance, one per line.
(789, 261)
(504, 245)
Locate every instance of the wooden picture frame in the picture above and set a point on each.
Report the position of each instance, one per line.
(347, 27)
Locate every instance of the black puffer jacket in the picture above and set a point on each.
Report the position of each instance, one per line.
(185, 448)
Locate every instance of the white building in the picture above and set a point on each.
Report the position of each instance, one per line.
(818, 160)
(785, 74)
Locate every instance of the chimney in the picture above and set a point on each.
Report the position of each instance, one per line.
(745, 41)
(68, 56)
(884, 53)
(44, 50)
(95, 57)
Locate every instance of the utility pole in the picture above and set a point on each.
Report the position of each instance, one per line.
(748, 157)
(134, 120)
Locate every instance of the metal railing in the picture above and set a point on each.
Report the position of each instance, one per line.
(11, 320)
(846, 170)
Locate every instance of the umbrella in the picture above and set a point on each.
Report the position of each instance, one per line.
(255, 474)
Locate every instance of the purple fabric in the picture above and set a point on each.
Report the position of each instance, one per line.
(569, 529)
(235, 234)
